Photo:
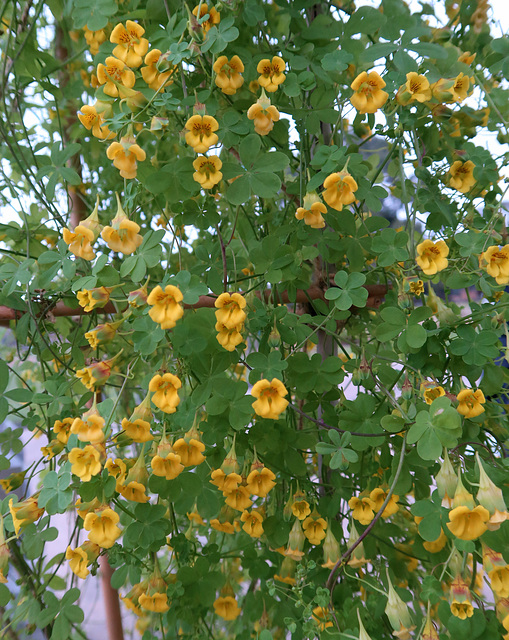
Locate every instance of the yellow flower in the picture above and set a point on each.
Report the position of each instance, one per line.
(239, 499)
(363, 509)
(228, 77)
(102, 333)
(122, 236)
(14, 481)
(223, 527)
(499, 578)
(430, 393)
(314, 528)
(151, 75)
(252, 523)
(190, 451)
(133, 491)
(270, 396)
(62, 429)
(125, 155)
(470, 403)
(103, 528)
(460, 87)
(339, 190)
(91, 298)
(131, 47)
(96, 374)
(301, 509)
(321, 617)
(263, 114)
(461, 603)
(311, 211)
(416, 89)
(260, 481)
(207, 171)
(166, 308)
(496, 262)
(94, 121)
(287, 572)
(78, 561)
(230, 309)
(168, 467)
(227, 608)
(467, 57)
(79, 242)
(462, 176)
(117, 78)
(271, 73)
(432, 256)
(138, 430)
(368, 96)
(94, 39)
(157, 602)
(213, 19)
(229, 483)
(165, 389)
(200, 132)
(117, 469)
(90, 427)
(24, 513)
(378, 496)
(229, 339)
(468, 524)
(85, 462)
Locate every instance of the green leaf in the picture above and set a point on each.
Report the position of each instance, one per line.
(249, 149)
(365, 20)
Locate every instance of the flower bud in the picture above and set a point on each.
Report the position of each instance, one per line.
(407, 391)
(296, 541)
(489, 495)
(446, 479)
(396, 610)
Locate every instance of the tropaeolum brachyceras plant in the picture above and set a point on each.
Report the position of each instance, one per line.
(266, 368)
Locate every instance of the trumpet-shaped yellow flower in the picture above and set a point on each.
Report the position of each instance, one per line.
(253, 523)
(495, 260)
(207, 171)
(116, 77)
(378, 496)
(368, 94)
(125, 155)
(461, 87)
(91, 298)
(85, 462)
(228, 77)
(230, 309)
(131, 47)
(168, 467)
(166, 308)
(62, 429)
(133, 491)
(461, 176)
(78, 561)
(260, 481)
(122, 236)
(190, 451)
(96, 374)
(90, 427)
(157, 602)
(102, 333)
(200, 132)
(103, 528)
(138, 430)
(213, 19)
(239, 499)
(470, 403)
(270, 398)
(24, 513)
(165, 389)
(80, 242)
(313, 216)
(416, 89)
(363, 509)
(263, 114)
(432, 256)
(431, 392)
(339, 190)
(229, 339)
(94, 122)
(468, 524)
(152, 76)
(94, 39)
(314, 528)
(271, 73)
(301, 509)
(227, 608)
